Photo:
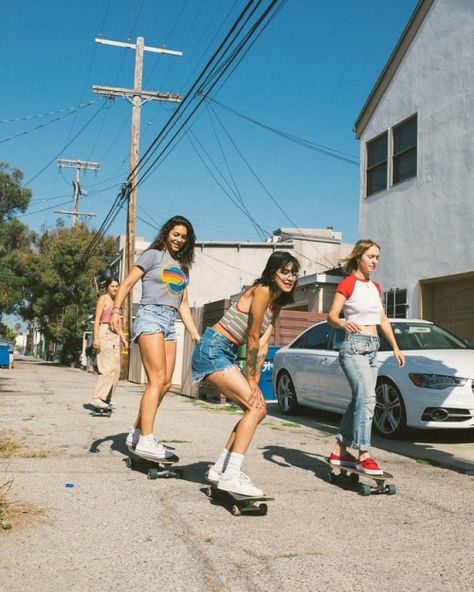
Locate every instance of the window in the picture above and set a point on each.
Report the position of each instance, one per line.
(314, 338)
(377, 164)
(396, 303)
(404, 150)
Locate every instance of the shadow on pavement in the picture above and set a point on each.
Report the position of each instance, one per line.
(449, 448)
(294, 457)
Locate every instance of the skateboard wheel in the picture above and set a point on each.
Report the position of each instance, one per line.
(235, 510)
(365, 489)
(152, 473)
(263, 509)
(390, 489)
(209, 491)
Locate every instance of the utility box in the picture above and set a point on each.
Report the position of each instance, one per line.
(4, 356)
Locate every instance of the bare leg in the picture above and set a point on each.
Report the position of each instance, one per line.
(170, 353)
(153, 353)
(233, 385)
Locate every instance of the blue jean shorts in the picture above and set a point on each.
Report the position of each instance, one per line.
(213, 353)
(155, 318)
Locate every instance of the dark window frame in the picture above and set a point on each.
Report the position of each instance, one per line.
(409, 151)
(372, 168)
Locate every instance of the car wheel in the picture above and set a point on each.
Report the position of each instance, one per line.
(389, 412)
(286, 394)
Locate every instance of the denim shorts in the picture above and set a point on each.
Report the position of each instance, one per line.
(155, 318)
(214, 352)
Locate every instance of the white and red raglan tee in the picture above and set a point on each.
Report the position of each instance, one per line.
(363, 303)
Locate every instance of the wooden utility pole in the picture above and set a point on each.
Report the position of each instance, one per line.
(78, 165)
(137, 96)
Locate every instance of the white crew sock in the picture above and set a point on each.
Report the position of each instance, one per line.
(221, 463)
(234, 464)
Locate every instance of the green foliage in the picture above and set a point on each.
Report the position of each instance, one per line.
(15, 237)
(7, 333)
(61, 290)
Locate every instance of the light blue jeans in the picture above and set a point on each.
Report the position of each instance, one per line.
(358, 359)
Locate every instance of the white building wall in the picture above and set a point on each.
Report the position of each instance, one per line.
(221, 269)
(425, 224)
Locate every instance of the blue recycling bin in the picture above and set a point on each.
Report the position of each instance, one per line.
(4, 356)
(265, 382)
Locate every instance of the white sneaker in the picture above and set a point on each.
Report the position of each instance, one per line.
(240, 484)
(148, 447)
(99, 404)
(132, 438)
(212, 475)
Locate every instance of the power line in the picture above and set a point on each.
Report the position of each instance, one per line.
(328, 151)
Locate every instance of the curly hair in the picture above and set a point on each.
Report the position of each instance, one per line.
(186, 254)
(351, 261)
(278, 261)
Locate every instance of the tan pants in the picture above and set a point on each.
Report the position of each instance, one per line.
(108, 362)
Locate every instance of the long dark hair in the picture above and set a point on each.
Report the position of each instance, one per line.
(109, 280)
(186, 255)
(277, 262)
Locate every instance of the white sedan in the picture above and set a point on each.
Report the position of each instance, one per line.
(435, 388)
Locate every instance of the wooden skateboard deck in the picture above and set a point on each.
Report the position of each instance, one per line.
(349, 477)
(160, 468)
(241, 504)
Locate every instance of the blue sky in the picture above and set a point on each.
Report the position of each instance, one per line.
(308, 74)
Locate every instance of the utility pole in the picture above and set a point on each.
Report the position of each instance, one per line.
(79, 165)
(137, 97)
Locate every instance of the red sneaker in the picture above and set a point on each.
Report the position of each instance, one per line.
(369, 466)
(345, 460)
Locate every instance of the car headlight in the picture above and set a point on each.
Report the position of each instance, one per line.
(436, 381)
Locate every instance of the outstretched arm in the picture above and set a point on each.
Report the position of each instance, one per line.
(187, 318)
(132, 278)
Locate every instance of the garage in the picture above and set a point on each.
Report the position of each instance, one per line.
(449, 302)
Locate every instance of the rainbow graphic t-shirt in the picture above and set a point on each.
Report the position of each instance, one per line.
(164, 281)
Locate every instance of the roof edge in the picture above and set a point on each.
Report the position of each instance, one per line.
(392, 65)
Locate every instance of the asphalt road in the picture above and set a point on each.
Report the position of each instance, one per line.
(114, 529)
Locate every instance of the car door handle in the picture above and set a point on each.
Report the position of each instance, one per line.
(324, 362)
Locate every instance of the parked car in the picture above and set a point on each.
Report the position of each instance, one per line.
(435, 388)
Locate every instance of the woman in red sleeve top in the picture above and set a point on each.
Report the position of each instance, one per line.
(359, 299)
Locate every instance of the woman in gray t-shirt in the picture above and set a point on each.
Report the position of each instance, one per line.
(164, 271)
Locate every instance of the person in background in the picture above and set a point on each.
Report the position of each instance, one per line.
(163, 269)
(360, 300)
(107, 345)
(250, 321)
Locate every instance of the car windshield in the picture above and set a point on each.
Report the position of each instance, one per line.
(422, 336)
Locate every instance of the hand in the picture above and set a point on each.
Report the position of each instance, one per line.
(255, 398)
(195, 338)
(399, 357)
(351, 327)
(124, 342)
(96, 344)
(115, 323)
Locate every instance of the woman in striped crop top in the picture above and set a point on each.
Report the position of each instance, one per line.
(359, 299)
(249, 321)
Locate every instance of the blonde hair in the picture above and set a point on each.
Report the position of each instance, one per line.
(350, 263)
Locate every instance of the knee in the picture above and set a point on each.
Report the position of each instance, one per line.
(166, 387)
(258, 413)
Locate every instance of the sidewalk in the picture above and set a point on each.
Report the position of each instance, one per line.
(114, 529)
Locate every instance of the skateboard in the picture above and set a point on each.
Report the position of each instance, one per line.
(158, 468)
(349, 478)
(240, 504)
(100, 412)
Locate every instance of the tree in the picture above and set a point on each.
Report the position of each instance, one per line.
(61, 285)
(15, 237)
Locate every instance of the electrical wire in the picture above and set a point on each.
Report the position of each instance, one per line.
(71, 111)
